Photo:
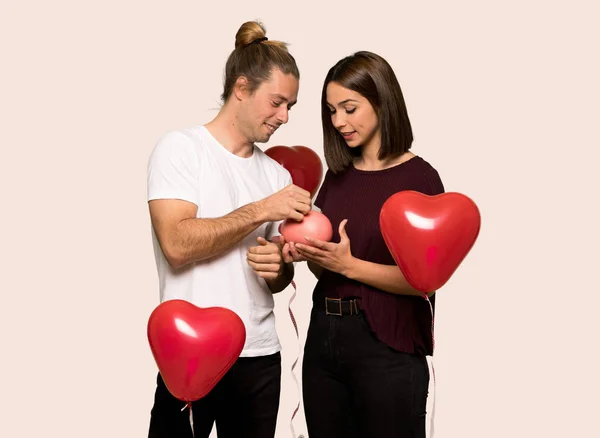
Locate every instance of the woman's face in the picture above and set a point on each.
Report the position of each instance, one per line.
(353, 116)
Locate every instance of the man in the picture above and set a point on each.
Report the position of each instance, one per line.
(215, 202)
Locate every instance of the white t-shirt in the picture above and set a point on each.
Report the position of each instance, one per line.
(190, 164)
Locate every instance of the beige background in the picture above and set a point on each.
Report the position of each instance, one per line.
(503, 97)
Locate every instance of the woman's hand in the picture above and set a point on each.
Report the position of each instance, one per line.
(335, 257)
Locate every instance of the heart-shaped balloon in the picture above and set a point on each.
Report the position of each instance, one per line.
(429, 236)
(194, 347)
(303, 163)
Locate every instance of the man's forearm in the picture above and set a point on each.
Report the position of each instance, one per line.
(283, 280)
(198, 239)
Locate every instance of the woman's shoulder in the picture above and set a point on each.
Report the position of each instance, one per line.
(427, 175)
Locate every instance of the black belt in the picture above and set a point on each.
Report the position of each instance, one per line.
(338, 306)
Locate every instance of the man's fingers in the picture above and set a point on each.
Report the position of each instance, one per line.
(302, 208)
(264, 267)
(296, 216)
(267, 275)
(301, 191)
(264, 258)
(303, 200)
(270, 248)
(285, 252)
(300, 194)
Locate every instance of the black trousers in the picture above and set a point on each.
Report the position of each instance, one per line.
(355, 386)
(244, 404)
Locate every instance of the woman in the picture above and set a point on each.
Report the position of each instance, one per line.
(365, 372)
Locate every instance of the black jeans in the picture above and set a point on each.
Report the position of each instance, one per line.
(355, 386)
(244, 404)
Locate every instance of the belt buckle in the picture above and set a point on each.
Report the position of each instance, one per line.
(327, 312)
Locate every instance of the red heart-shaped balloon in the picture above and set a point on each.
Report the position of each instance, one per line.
(429, 236)
(194, 347)
(303, 163)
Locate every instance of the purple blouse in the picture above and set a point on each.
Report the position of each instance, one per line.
(403, 322)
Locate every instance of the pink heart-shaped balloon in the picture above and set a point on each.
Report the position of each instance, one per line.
(194, 347)
(429, 236)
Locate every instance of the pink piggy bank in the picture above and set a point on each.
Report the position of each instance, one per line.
(315, 225)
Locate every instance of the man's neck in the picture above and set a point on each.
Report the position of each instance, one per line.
(226, 130)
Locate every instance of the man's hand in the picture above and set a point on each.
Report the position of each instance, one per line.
(266, 259)
(291, 202)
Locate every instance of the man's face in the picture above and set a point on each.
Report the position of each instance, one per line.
(263, 112)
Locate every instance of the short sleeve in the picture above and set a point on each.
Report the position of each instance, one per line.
(173, 169)
(322, 193)
(433, 183)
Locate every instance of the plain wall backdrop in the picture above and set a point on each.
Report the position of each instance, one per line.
(503, 98)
